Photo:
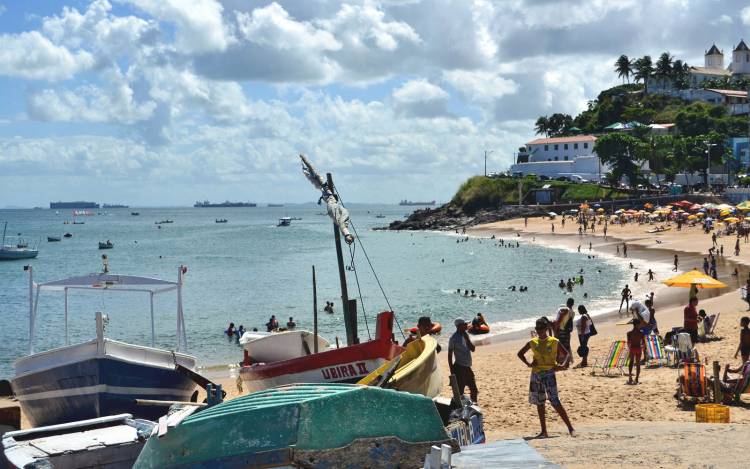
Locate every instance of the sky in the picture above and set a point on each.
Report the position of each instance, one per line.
(165, 102)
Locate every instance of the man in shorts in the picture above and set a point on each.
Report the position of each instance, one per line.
(543, 384)
(460, 347)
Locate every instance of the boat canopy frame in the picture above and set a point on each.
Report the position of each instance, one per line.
(109, 282)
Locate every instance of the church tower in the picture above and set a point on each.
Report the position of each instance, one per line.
(714, 58)
(741, 59)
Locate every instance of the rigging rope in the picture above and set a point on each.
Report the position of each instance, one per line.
(352, 250)
(375, 274)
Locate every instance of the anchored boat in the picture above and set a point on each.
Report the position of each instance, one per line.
(17, 248)
(102, 376)
(269, 347)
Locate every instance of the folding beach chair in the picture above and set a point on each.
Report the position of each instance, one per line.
(681, 350)
(714, 318)
(655, 354)
(692, 384)
(616, 359)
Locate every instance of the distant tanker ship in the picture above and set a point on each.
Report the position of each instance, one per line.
(409, 202)
(227, 203)
(76, 204)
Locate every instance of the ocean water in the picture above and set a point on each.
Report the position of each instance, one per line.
(248, 269)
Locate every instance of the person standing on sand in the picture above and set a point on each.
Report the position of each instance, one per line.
(676, 263)
(747, 293)
(636, 344)
(705, 265)
(737, 247)
(583, 326)
(460, 345)
(624, 249)
(605, 231)
(690, 324)
(543, 384)
(625, 298)
(525, 221)
(553, 227)
(744, 347)
(562, 326)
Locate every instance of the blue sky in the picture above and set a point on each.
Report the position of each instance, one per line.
(164, 102)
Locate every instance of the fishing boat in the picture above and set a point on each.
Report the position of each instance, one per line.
(134, 214)
(285, 221)
(379, 215)
(163, 222)
(106, 245)
(102, 376)
(113, 442)
(304, 425)
(340, 365)
(16, 248)
(415, 370)
(68, 235)
(220, 220)
(269, 347)
(53, 239)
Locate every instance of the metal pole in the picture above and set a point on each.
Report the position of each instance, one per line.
(350, 321)
(153, 328)
(30, 270)
(180, 330)
(717, 384)
(67, 341)
(315, 312)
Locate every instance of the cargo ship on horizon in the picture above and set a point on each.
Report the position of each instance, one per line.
(76, 204)
(115, 206)
(409, 203)
(207, 204)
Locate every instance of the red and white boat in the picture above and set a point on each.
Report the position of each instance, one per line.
(342, 365)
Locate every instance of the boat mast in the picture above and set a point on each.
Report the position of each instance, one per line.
(350, 314)
(4, 228)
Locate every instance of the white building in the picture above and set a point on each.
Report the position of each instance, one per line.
(561, 156)
(713, 65)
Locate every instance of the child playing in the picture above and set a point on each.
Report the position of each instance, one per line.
(744, 347)
(636, 344)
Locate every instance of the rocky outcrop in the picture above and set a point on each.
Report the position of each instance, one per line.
(448, 218)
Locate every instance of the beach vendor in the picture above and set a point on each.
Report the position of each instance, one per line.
(461, 347)
(641, 314)
(543, 384)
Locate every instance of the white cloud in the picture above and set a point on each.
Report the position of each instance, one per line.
(3, 9)
(272, 26)
(364, 26)
(722, 20)
(480, 85)
(420, 98)
(745, 15)
(200, 25)
(31, 55)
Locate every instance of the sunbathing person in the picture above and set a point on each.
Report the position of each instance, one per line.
(744, 347)
(729, 386)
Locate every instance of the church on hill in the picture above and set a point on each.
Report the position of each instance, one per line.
(714, 65)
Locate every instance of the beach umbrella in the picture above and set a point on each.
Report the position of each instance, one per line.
(725, 207)
(692, 217)
(731, 220)
(725, 213)
(694, 207)
(552, 214)
(600, 210)
(694, 277)
(648, 205)
(744, 206)
(584, 206)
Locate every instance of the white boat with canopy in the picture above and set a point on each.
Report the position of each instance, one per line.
(269, 347)
(102, 376)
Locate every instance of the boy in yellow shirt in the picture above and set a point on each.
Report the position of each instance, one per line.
(543, 384)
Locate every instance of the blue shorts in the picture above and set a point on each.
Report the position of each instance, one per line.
(542, 387)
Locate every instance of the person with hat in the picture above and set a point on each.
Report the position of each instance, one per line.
(460, 347)
(543, 384)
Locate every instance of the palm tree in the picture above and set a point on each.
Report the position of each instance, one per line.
(624, 68)
(644, 69)
(542, 126)
(664, 66)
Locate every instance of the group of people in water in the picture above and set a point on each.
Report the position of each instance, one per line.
(471, 294)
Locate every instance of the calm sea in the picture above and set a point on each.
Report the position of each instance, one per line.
(247, 269)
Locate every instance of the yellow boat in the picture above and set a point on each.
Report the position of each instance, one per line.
(415, 370)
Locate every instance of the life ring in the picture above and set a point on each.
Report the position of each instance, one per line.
(436, 328)
(483, 329)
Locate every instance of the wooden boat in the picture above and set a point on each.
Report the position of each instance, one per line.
(341, 365)
(303, 426)
(53, 239)
(101, 377)
(113, 442)
(107, 245)
(416, 370)
(269, 347)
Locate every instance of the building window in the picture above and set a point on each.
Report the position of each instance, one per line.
(556, 147)
(585, 144)
(565, 146)
(747, 57)
(556, 158)
(566, 158)
(575, 146)
(546, 148)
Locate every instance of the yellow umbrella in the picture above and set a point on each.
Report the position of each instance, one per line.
(732, 220)
(744, 206)
(600, 210)
(694, 277)
(692, 217)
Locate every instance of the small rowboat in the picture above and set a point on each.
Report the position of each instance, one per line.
(53, 239)
(107, 245)
(269, 347)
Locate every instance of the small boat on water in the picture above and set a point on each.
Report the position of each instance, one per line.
(102, 376)
(134, 214)
(16, 248)
(106, 245)
(303, 425)
(379, 215)
(220, 220)
(53, 239)
(163, 222)
(79, 222)
(68, 235)
(269, 347)
(285, 221)
(113, 442)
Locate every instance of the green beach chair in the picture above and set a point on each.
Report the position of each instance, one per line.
(616, 359)
(655, 354)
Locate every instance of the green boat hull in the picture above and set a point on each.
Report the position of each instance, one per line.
(308, 425)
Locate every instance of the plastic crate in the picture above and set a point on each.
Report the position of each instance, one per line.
(711, 413)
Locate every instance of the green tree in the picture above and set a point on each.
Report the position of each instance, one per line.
(541, 127)
(644, 70)
(624, 68)
(559, 124)
(623, 153)
(663, 68)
